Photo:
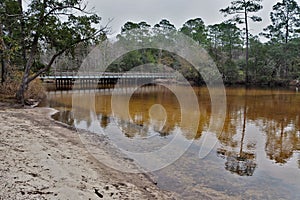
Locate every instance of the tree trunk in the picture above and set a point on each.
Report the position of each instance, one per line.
(4, 62)
(286, 67)
(3, 68)
(20, 95)
(244, 125)
(22, 34)
(247, 47)
(24, 83)
(287, 26)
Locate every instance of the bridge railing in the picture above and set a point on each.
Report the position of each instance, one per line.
(110, 74)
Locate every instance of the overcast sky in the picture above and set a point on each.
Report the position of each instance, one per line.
(176, 11)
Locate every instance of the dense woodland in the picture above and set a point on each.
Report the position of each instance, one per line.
(240, 56)
(32, 41)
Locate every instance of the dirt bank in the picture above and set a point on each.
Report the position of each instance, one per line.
(42, 159)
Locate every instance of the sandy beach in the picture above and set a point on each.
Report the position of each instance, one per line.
(43, 159)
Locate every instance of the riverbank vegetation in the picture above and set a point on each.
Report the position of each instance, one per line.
(43, 35)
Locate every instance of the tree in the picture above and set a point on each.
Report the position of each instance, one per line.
(132, 32)
(165, 25)
(131, 25)
(162, 28)
(49, 30)
(9, 36)
(224, 43)
(285, 19)
(195, 28)
(226, 36)
(261, 66)
(285, 26)
(242, 9)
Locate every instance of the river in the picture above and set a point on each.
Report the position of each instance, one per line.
(256, 154)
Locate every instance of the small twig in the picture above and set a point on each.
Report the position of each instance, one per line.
(98, 193)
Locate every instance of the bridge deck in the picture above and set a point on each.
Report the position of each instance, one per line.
(67, 80)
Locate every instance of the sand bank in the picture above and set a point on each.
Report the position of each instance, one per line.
(43, 159)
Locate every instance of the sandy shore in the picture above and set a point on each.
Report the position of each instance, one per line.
(43, 159)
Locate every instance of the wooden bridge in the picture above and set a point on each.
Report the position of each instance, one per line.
(87, 80)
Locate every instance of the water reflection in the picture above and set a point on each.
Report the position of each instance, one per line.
(282, 141)
(240, 161)
(275, 112)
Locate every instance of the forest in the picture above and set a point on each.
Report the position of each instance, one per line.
(240, 56)
(38, 38)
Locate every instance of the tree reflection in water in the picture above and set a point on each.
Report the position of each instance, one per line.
(275, 113)
(241, 163)
(64, 117)
(279, 145)
(132, 130)
(104, 121)
(281, 126)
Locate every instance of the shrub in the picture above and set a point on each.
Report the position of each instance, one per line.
(35, 90)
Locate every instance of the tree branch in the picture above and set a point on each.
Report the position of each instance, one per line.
(66, 7)
(61, 52)
(47, 67)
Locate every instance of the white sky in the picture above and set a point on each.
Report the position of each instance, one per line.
(176, 11)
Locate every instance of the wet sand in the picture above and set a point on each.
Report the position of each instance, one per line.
(44, 159)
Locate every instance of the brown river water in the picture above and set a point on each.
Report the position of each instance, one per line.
(256, 155)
